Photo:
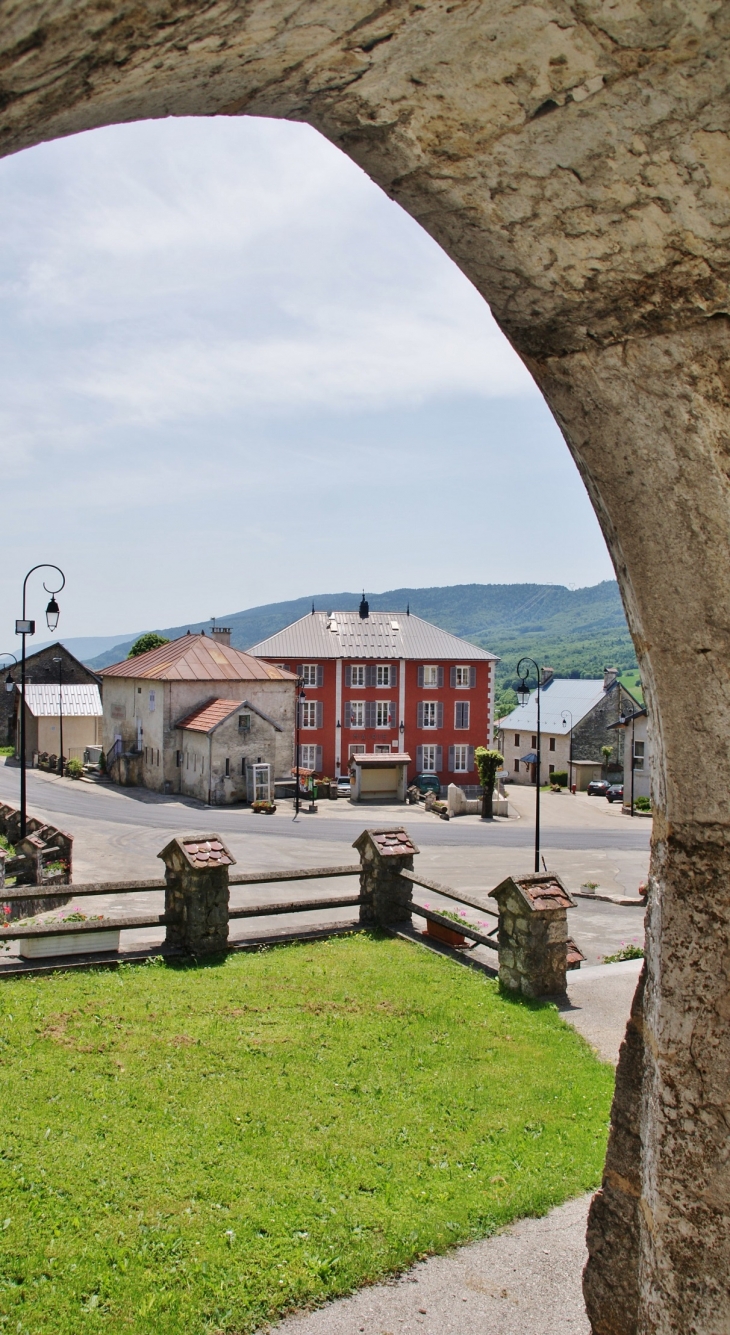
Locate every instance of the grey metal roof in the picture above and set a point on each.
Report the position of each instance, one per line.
(380, 635)
(79, 701)
(562, 694)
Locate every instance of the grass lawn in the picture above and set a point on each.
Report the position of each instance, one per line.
(188, 1150)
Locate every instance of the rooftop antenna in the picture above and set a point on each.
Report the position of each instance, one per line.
(313, 607)
(408, 609)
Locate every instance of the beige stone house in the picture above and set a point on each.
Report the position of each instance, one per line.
(158, 735)
(75, 708)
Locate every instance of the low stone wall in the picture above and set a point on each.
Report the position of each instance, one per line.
(31, 856)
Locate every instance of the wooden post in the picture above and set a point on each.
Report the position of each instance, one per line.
(388, 899)
(197, 893)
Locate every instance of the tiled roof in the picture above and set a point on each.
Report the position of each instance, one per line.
(208, 716)
(379, 635)
(78, 701)
(195, 658)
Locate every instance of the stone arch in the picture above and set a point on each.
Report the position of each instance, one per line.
(572, 157)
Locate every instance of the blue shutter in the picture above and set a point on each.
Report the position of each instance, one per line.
(320, 675)
(452, 676)
(439, 711)
(451, 758)
(419, 718)
(419, 759)
(348, 677)
(472, 677)
(439, 759)
(420, 678)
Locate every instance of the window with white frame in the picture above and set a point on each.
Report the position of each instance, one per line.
(462, 676)
(357, 675)
(309, 713)
(357, 749)
(639, 755)
(308, 757)
(461, 714)
(429, 714)
(382, 714)
(382, 749)
(429, 759)
(383, 675)
(430, 675)
(461, 759)
(309, 674)
(357, 713)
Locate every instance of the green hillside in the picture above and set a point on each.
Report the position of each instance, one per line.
(577, 632)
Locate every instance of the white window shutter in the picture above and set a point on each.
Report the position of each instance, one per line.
(320, 675)
(318, 764)
(348, 675)
(319, 712)
(472, 677)
(470, 759)
(439, 713)
(451, 755)
(394, 674)
(420, 678)
(419, 719)
(440, 674)
(439, 759)
(452, 676)
(419, 759)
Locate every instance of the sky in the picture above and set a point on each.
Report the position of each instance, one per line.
(233, 371)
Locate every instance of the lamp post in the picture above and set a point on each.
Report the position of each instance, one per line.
(301, 697)
(9, 683)
(24, 627)
(523, 695)
(570, 752)
(60, 712)
(623, 723)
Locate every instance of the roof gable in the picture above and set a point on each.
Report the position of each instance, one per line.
(195, 658)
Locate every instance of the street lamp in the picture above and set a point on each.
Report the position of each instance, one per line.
(301, 697)
(9, 683)
(24, 627)
(623, 723)
(570, 753)
(60, 712)
(523, 695)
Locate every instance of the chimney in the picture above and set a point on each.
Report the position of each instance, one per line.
(610, 677)
(222, 635)
(547, 675)
(364, 608)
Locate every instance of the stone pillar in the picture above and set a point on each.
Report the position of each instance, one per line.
(383, 855)
(3, 856)
(196, 896)
(533, 934)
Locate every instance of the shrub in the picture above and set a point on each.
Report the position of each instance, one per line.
(150, 640)
(642, 803)
(74, 767)
(560, 776)
(625, 953)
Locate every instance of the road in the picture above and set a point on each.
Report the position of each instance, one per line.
(119, 832)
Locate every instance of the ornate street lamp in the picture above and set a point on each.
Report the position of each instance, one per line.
(9, 683)
(567, 712)
(24, 627)
(301, 697)
(523, 695)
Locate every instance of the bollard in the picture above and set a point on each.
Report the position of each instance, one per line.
(383, 855)
(197, 893)
(533, 934)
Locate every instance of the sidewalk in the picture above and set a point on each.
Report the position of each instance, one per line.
(525, 1281)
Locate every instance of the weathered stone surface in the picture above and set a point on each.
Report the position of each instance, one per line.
(572, 156)
(387, 898)
(197, 893)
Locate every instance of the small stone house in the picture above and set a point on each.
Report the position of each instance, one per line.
(577, 718)
(168, 726)
(41, 668)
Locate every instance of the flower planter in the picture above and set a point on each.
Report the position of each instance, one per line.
(446, 935)
(76, 943)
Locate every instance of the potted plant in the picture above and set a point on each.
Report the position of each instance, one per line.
(74, 768)
(264, 806)
(76, 943)
(449, 936)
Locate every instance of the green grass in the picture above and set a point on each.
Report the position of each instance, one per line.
(194, 1150)
(632, 681)
(7, 750)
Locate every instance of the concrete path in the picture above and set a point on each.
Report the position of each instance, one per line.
(525, 1281)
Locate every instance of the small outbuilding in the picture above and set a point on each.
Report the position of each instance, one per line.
(379, 778)
(230, 751)
(74, 710)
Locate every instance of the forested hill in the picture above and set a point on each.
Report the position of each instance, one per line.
(578, 631)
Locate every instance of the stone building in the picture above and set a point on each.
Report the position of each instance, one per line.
(69, 712)
(168, 725)
(577, 718)
(41, 669)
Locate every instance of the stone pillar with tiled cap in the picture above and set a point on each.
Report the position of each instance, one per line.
(387, 898)
(533, 934)
(197, 893)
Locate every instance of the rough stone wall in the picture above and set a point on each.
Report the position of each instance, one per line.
(573, 157)
(593, 731)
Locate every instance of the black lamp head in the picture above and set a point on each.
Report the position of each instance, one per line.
(53, 612)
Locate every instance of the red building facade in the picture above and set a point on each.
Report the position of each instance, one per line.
(386, 682)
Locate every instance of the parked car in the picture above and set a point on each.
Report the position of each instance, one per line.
(343, 785)
(428, 783)
(615, 793)
(598, 787)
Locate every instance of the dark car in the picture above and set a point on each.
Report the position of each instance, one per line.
(428, 783)
(615, 793)
(598, 788)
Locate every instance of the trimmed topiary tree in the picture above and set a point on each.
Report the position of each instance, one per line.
(150, 640)
(488, 763)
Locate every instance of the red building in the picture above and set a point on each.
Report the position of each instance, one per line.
(385, 682)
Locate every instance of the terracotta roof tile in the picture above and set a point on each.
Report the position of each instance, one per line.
(209, 715)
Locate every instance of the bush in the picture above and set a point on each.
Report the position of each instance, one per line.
(560, 776)
(642, 803)
(74, 767)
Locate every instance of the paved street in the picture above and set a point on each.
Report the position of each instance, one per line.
(119, 832)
